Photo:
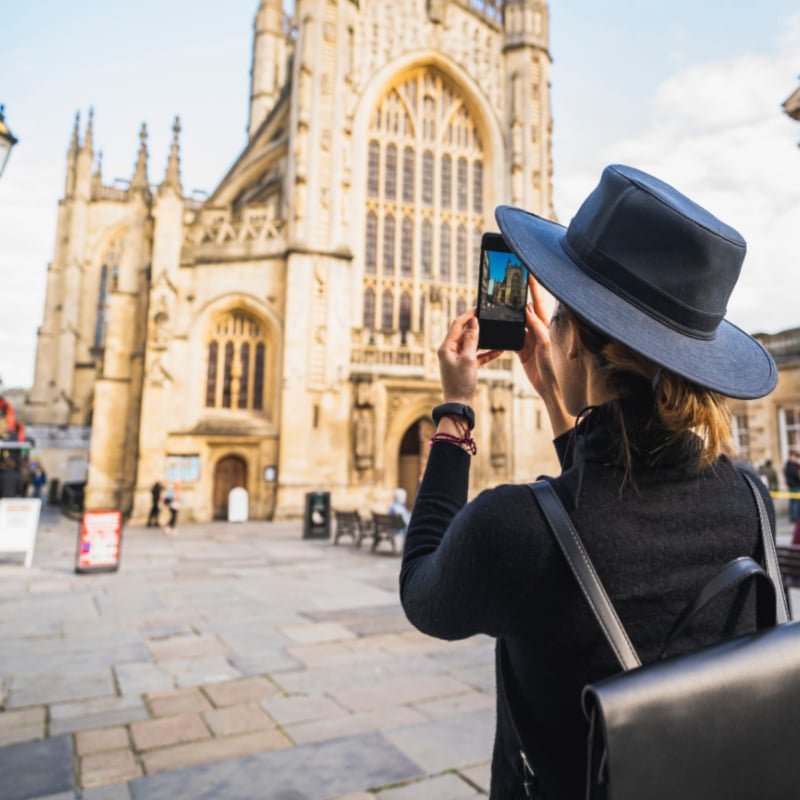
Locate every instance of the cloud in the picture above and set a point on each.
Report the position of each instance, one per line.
(717, 132)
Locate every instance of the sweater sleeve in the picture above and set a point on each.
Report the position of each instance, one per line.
(454, 580)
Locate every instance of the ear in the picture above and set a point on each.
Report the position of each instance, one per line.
(572, 341)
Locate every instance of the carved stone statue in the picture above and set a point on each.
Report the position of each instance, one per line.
(363, 438)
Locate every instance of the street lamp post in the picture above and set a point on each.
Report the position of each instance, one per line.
(7, 141)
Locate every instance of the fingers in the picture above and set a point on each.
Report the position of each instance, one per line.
(489, 355)
(537, 294)
(457, 329)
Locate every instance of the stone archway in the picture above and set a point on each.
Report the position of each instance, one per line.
(413, 456)
(229, 473)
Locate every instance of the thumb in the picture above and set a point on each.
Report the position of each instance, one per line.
(471, 331)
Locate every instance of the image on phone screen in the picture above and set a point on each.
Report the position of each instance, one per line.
(502, 291)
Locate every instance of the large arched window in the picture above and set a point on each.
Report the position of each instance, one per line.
(109, 274)
(425, 195)
(102, 299)
(236, 365)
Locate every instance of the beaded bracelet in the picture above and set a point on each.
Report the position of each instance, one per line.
(465, 440)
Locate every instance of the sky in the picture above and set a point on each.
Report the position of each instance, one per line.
(679, 89)
(498, 261)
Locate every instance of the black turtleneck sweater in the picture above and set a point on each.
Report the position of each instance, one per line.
(492, 566)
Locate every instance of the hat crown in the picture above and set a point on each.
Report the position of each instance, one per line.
(646, 241)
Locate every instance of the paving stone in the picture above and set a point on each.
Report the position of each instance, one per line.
(457, 704)
(448, 743)
(22, 773)
(142, 678)
(399, 690)
(165, 731)
(237, 719)
(231, 693)
(479, 775)
(464, 658)
(88, 742)
(353, 724)
(314, 632)
(101, 712)
(115, 791)
(395, 623)
(443, 787)
(301, 708)
(126, 602)
(22, 717)
(311, 772)
(186, 755)
(182, 647)
(264, 662)
(22, 733)
(197, 671)
(484, 678)
(110, 766)
(58, 687)
(180, 701)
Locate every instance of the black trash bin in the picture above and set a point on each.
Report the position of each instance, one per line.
(317, 519)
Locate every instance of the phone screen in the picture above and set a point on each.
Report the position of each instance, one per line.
(502, 293)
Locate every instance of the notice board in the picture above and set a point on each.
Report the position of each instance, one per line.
(19, 521)
(99, 541)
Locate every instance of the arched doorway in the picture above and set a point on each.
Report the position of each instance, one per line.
(413, 456)
(230, 473)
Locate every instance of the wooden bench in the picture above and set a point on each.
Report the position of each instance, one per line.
(349, 523)
(789, 563)
(386, 527)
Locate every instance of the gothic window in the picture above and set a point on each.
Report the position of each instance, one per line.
(427, 177)
(387, 310)
(426, 248)
(461, 254)
(405, 313)
(388, 245)
(244, 356)
(462, 184)
(258, 378)
(447, 182)
(369, 309)
(236, 366)
(426, 192)
(406, 246)
(444, 253)
(461, 306)
(373, 168)
(477, 187)
(211, 375)
(227, 376)
(102, 299)
(391, 172)
(372, 243)
(408, 175)
(476, 251)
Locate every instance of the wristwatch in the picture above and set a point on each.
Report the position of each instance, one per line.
(454, 410)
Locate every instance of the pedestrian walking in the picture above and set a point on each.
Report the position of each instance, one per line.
(173, 502)
(155, 506)
(770, 475)
(633, 367)
(791, 472)
(400, 509)
(39, 480)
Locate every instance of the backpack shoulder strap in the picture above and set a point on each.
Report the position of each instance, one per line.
(585, 574)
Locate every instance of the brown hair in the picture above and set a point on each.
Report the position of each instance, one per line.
(679, 406)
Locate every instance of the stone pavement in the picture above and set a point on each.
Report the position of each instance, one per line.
(231, 662)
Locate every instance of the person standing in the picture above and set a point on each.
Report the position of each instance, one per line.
(767, 471)
(155, 493)
(791, 471)
(172, 502)
(39, 481)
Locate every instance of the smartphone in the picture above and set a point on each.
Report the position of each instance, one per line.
(502, 295)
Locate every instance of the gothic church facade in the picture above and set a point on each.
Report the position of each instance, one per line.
(281, 334)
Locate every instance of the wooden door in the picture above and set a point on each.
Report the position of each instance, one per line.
(413, 457)
(230, 473)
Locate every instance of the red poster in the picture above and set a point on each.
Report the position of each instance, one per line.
(99, 541)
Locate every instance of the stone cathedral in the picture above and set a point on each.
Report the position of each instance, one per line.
(281, 334)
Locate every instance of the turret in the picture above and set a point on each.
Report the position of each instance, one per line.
(72, 156)
(268, 71)
(139, 180)
(526, 24)
(84, 161)
(172, 177)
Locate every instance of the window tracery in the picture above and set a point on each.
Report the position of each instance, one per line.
(236, 362)
(425, 200)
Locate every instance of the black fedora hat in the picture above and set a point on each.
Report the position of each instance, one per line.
(653, 270)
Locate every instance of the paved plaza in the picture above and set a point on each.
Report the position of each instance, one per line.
(231, 662)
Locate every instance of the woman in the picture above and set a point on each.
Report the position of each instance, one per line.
(633, 368)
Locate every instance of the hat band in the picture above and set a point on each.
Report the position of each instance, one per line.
(641, 294)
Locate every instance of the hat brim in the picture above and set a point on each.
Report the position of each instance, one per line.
(732, 363)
